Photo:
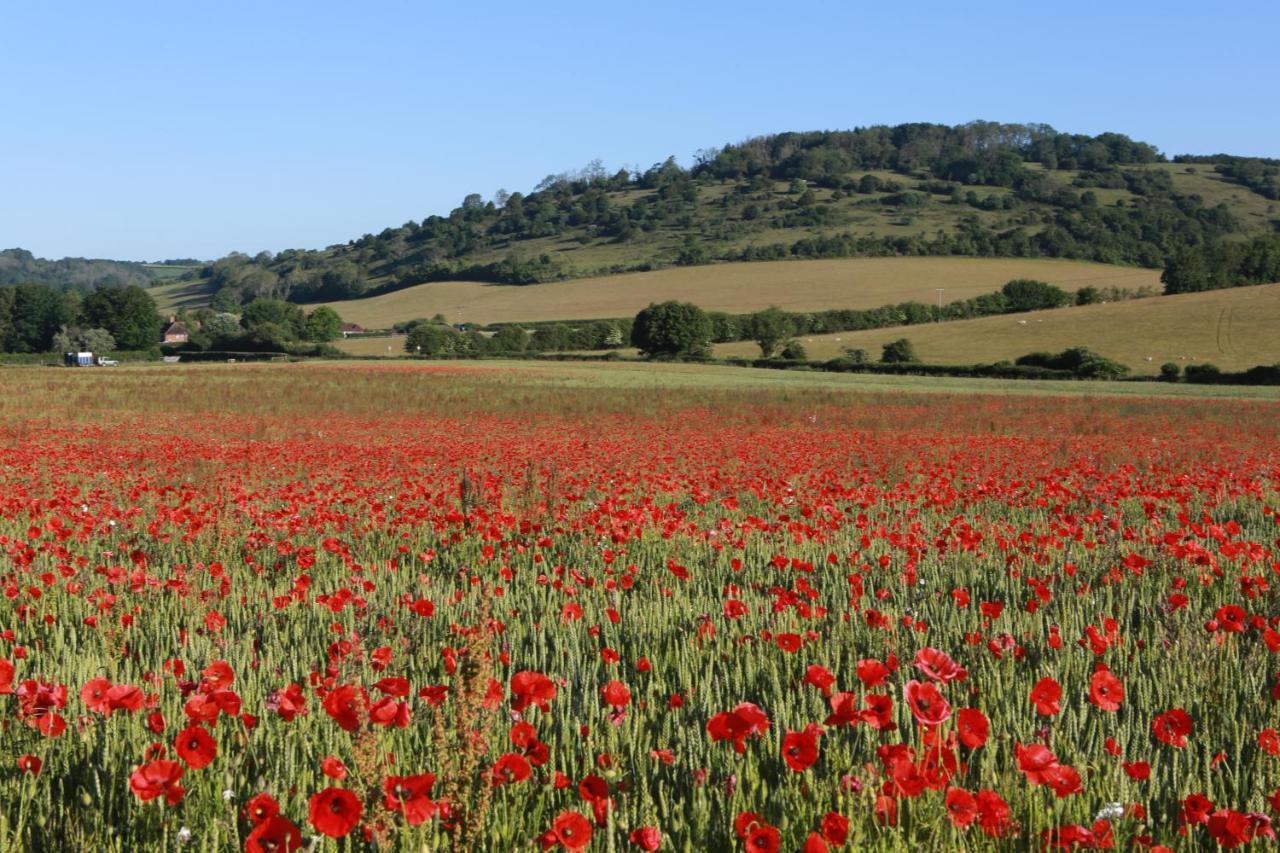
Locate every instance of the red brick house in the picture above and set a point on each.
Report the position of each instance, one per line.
(176, 333)
(349, 329)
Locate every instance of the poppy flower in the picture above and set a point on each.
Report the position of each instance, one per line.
(1105, 690)
(347, 706)
(972, 727)
(871, 672)
(815, 843)
(196, 747)
(939, 666)
(261, 807)
(993, 814)
(820, 677)
(800, 749)
(835, 828)
(29, 763)
(334, 812)
(736, 725)
(763, 838)
(275, 834)
(570, 830)
(1045, 695)
(1136, 770)
(927, 704)
(158, 778)
(1172, 727)
(615, 693)
(531, 688)
(509, 769)
(647, 838)
(94, 695)
(333, 768)
(1036, 761)
(411, 796)
(962, 807)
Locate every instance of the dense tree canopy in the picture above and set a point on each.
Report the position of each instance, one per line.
(671, 329)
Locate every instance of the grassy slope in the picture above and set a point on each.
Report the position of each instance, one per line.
(1233, 329)
(793, 285)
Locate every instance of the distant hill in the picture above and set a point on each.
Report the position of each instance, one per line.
(18, 266)
(982, 189)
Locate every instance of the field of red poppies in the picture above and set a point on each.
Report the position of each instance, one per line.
(336, 608)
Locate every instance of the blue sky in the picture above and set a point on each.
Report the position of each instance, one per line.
(155, 130)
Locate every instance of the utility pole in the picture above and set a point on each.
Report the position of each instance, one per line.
(939, 289)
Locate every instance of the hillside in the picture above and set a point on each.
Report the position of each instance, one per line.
(983, 189)
(18, 266)
(736, 288)
(1234, 329)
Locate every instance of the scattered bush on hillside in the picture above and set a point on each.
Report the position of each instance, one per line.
(901, 351)
(1079, 361)
(672, 329)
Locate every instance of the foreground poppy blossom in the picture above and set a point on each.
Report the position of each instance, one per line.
(1172, 727)
(736, 725)
(275, 834)
(569, 830)
(800, 749)
(334, 812)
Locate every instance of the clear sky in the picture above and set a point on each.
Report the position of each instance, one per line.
(156, 130)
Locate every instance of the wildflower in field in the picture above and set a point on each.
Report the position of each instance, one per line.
(261, 807)
(334, 812)
(333, 768)
(274, 834)
(347, 706)
(972, 727)
(800, 749)
(1045, 696)
(569, 830)
(531, 688)
(962, 807)
(158, 778)
(927, 704)
(195, 747)
(647, 838)
(1172, 727)
(736, 725)
(509, 769)
(411, 796)
(939, 666)
(1105, 690)
(594, 791)
(29, 763)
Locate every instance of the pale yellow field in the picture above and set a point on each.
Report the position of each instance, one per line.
(390, 347)
(736, 288)
(1234, 329)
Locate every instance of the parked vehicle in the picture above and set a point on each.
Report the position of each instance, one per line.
(103, 361)
(78, 359)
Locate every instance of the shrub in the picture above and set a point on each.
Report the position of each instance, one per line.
(901, 351)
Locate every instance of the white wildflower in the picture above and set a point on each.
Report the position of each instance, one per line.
(184, 835)
(228, 795)
(1111, 811)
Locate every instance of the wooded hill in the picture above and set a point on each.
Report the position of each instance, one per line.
(981, 189)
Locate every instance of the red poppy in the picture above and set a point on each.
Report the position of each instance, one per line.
(1105, 690)
(158, 778)
(261, 807)
(1045, 695)
(508, 769)
(927, 704)
(1138, 770)
(29, 763)
(871, 672)
(347, 705)
(736, 725)
(878, 713)
(196, 747)
(1036, 761)
(815, 843)
(835, 828)
(647, 838)
(972, 727)
(616, 694)
(800, 749)
(275, 834)
(570, 830)
(531, 688)
(94, 695)
(962, 807)
(939, 666)
(820, 677)
(334, 812)
(1172, 727)
(763, 838)
(993, 813)
(333, 768)
(411, 796)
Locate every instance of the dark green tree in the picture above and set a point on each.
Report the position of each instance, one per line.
(289, 317)
(432, 339)
(769, 328)
(901, 351)
(509, 339)
(1026, 294)
(323, 325)
(671, 329)
(128, 313)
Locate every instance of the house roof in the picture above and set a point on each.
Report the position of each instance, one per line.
(352, 327)
(176, 328)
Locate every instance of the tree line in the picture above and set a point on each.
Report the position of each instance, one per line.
(37, 318)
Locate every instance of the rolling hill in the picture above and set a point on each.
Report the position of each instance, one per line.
(978, 190)
(1234, 329)
(736, 288)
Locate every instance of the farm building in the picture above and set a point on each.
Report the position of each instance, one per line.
(349, 329)
(176, 333)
